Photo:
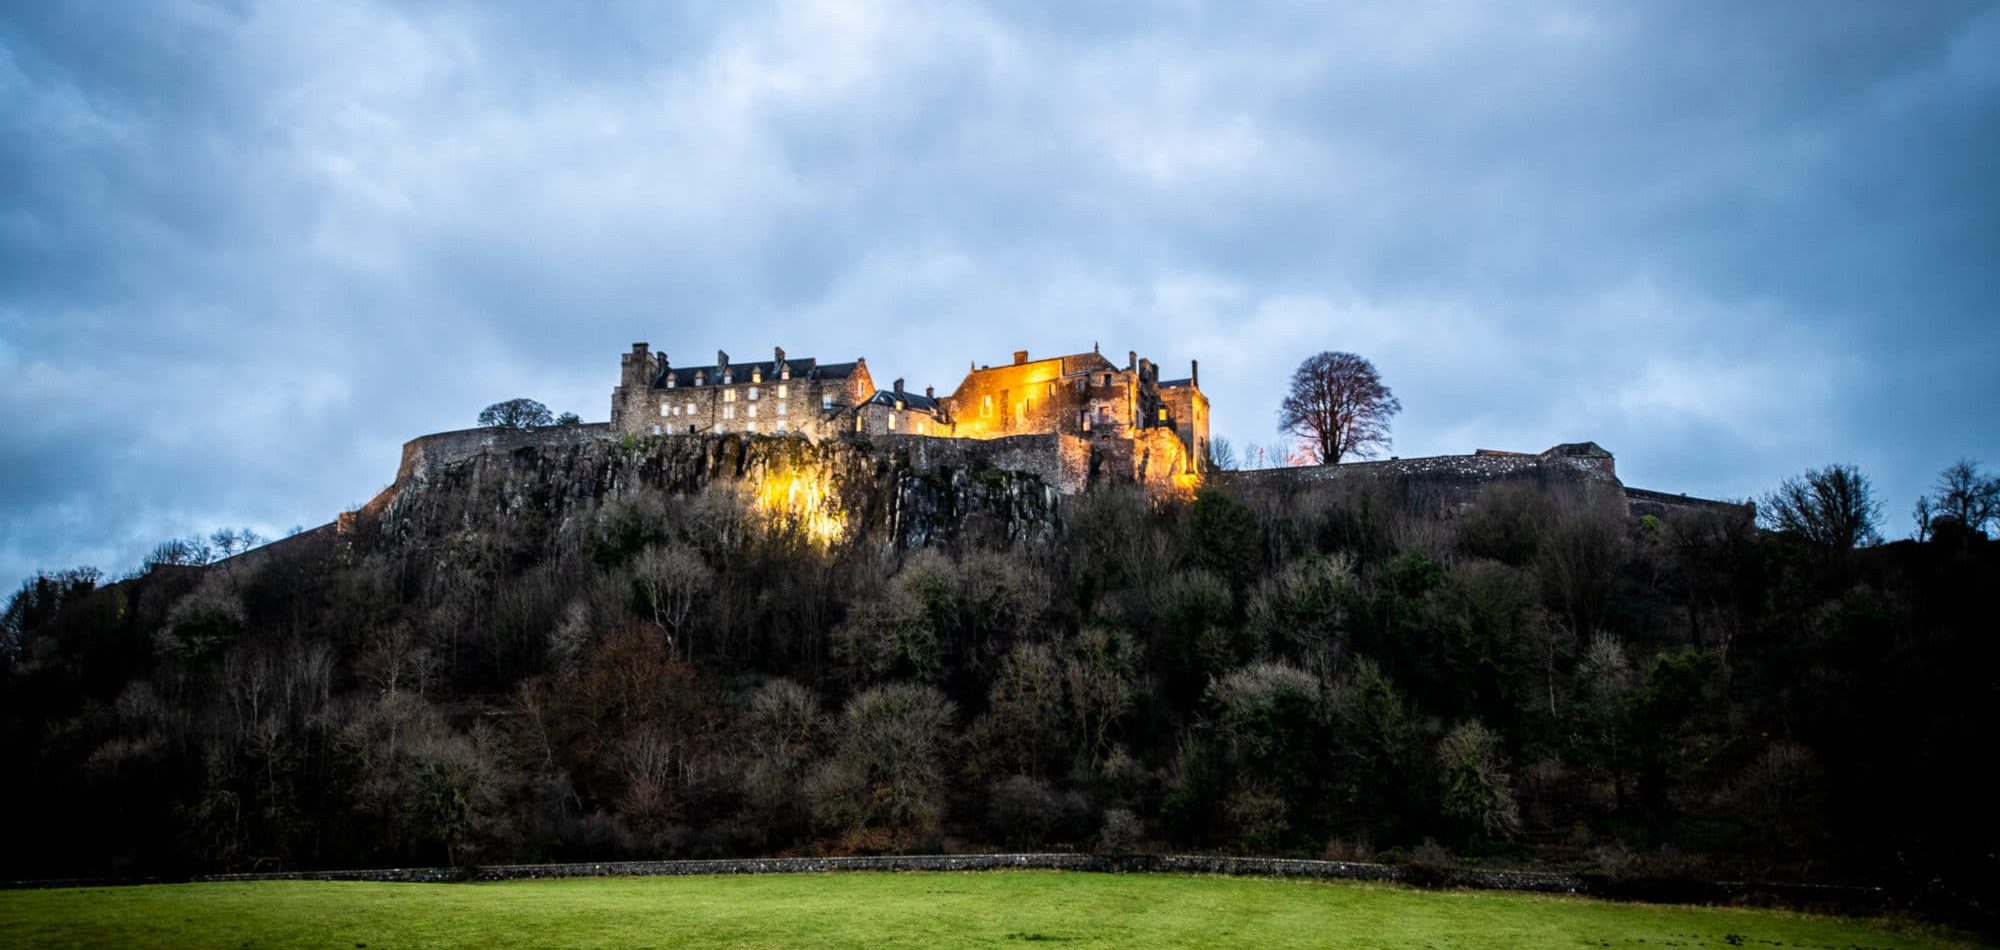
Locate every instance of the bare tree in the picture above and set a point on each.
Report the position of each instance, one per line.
(1964, 494)
(516, 414)
(1833, 506)
(1338, 407)
(673, 578)
(1222, 454)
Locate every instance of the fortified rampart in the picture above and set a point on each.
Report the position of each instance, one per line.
(1448, 482)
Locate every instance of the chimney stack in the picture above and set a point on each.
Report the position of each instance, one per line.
(721, 360)
(1131, 360)
(777, 354)
(1020, 356)
(930, 392)
(899, 385)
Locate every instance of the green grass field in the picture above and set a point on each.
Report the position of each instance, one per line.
(993, 909)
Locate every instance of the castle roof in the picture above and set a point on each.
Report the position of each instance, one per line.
(917, 401)
(802, 368)
(1175, 383)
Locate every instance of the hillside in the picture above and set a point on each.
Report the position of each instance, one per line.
(578, 647)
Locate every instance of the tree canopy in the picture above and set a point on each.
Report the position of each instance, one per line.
(1338, 407)
(516, 414)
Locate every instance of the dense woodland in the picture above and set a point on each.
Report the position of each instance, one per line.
(1537, 679)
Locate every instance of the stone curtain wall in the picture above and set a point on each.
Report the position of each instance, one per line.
(427, 454)
(1453, 481)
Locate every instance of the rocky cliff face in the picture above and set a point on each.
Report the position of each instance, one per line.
(891, 491)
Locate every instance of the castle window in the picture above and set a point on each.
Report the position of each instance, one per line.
(986, 404)
(781, 425)
(892, 422)
(728, 377)
(1163, 413)
(750, 427)
(753, 412)
(670, 380)
(784, 372)
(757, 375)
(690, 409)
(784, 391)
(663, 409)
(728, 412)
(857, 422)
(700, 378)
(920, 428)
(1107, 379)
(826, 400)
(1052, 389)
(781, 408)
(656, 430)
(1086, 420)
(729, 395)
(753, 394)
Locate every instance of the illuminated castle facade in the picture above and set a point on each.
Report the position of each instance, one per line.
(1122, 419)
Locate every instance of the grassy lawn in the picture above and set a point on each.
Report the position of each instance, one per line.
(994, 909)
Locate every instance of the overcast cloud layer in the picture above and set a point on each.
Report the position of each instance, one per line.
(247, 249)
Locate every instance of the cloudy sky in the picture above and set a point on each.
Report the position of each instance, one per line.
(247, 248)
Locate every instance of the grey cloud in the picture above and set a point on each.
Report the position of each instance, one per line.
(248, 248)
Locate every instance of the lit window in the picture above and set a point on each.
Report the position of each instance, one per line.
(1163, 413)
(1052, 388)
(663, 409)
(757, 375)
(892, 422)
(920, 428)
(690, 410)
(784, 391)
(781, 408)
(986, 405)
(753, 394)
(728, 412)
(857, 422)
(753, 412)
(826, 400)
(729, 395)
(785, 372)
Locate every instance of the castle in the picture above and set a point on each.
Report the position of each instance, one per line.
(1123, 422)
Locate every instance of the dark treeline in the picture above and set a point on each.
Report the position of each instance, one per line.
(1536, 679)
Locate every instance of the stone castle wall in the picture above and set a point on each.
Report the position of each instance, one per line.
(1447, 482)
